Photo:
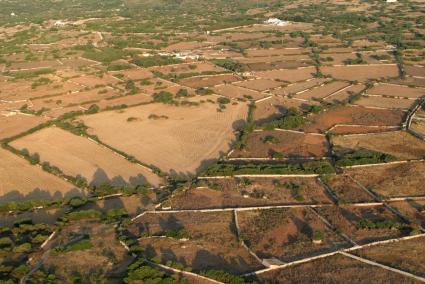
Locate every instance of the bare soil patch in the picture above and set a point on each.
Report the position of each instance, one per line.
(294, 88)
(413, 210)
(345, 94)
(13, 125)
(233, 91)
(259, 84)
(76, 155)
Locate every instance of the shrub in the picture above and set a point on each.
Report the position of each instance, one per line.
(163, 97)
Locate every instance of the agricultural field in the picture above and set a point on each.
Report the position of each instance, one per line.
(195, 141)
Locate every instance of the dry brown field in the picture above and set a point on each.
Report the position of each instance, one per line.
(413, 210)
(273, 59)
(232, 91)
(186, 45)
(259, 84)
(264, 66)
(415, 71)
(76, 155)
(410, 81)
(122, 100)
(21, 181)
(182, 143)
(300, 86)
(76, 63)
(347, 218)
(400, 144)
(361, 73)
(407, 255)
(290, 144)
(134, 74)
(351, 115)
(92, 80)
(338, 58)
(322, 91)
(397, 180)
(212, 242)
(286, 234)
(276, 52)
(418, 126)
(79, 98)
(208, 81)
(337, 50)
(345, 94)
(194, 67)
(384, 102)
(347, 190)
(333, 269)
(289, 75)
(34, 65)
(240, 192)
(13, 125)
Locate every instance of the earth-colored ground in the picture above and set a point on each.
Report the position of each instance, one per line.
(76, 155)
(183, 143)
(361, 73)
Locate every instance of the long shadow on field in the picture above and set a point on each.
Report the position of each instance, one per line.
(101, 177)
(38, 194)
(205, 260)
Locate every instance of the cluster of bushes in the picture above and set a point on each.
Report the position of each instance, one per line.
(376, 225)
(292, 119)
(163, 97)
(362, 157)
(156, 60)
(230, 64)
(247, 128)
(223, 276)
(225, 169)
(77, 246)
(177, 234)
(141, 271)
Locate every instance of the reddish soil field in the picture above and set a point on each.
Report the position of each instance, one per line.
(333, 269)
(348, 219)
(397, 180)
(322, 91)
(204, 248)
(286, 234)
(236, 192)
(384, 102)
(290, 144)
(351, 115)
(361, 73)
(21, 181)
(347, 190)
(288, 75)
(400, 144)
(208, 81)
(396, 91)
(407, 255)
(76, 155)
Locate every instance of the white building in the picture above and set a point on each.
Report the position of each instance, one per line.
(276, 22)
(391, 1)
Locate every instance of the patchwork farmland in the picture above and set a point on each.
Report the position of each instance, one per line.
(212, 141)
